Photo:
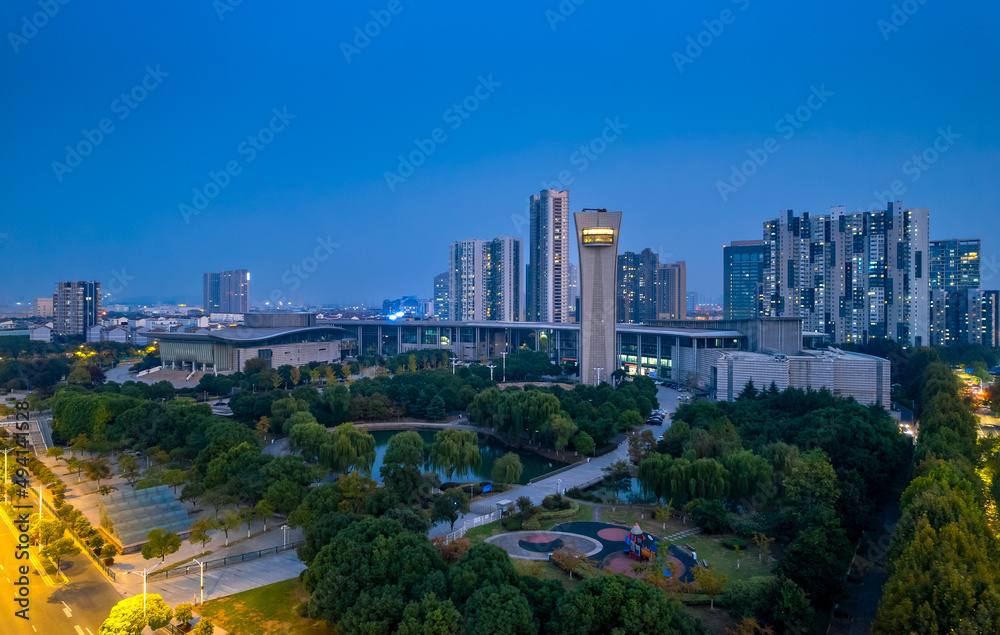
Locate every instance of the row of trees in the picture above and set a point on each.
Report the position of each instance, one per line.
(942, 561)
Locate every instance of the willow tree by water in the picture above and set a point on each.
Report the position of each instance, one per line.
(348, 448)
(455, 450)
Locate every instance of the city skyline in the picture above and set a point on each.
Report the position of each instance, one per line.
(270, 169)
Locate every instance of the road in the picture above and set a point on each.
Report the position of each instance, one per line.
(73, 608)
(581, 475)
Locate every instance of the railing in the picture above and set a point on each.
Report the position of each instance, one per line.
(476, 522)
(86, 548)
(228, 561)
(173, 630)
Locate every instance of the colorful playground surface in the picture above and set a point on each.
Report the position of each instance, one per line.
(611, 547)
(537, 545)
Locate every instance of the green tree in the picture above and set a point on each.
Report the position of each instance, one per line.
(449, 506)
(49, 530)
(430, 615)
(217, 498)
(402, 463)
(200, 529)
(247, 516)
(455, 450)
(584, 443)
(204, 627)
(174, 478)
(436, 408)
(128, 468)
(498, 610)
(60, 549)
(307, 438)
(160, 544)
(184, 613)
(619, 604)
(508, 468)
(97, 470)
(709, 583)
(265, 510)
(347, 448)
(128, 617)
(229, 521)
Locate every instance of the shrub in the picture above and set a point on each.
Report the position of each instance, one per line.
(513, 522)
(732, 542)
(531, 524)
(710, 515)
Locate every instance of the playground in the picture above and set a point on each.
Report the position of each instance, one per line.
(610, 547)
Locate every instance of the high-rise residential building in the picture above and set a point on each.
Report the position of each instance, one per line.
(692, 301)
(649, 289)
(574, 293)
(227, 292)
(210, 293)
(42, 307)
(743, 279)
(484, 280)
(76, 307)
(855, 276)
(597, 241)
(671, 290)
(441, 302)
(548, 259)
(961, 312)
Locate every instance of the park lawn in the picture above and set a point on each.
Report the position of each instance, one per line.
(267, 610)
(723, 560)
(477, 535)
(643, 516)
(544, 570)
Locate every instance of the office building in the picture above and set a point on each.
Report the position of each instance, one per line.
(441, 301)
(484, 279)
(548, 258)
(743, 264)
(226, 292)
(42, 307)
(76, 307)
(597, 241)
(853, 276)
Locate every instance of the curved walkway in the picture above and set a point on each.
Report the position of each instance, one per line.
(537, 545)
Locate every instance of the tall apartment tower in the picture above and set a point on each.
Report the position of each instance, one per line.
(211, 294)
(597, 240)
(76, 307)
(441, 303)
(671, 290)
(855, 276)
(961, 312)
(743, 279)
(548, 258)
(484, 279)
(227, 291)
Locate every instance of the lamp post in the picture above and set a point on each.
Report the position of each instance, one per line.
(454, 363)
(491, 367)
(145, 572)
(558, 486)
(5, 453)
(597, 382)
(41, 486)
(284, 536)
(201, 569)
(504, 355)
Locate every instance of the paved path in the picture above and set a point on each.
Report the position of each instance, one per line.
(582, 475)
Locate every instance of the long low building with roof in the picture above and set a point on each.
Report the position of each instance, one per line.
(129, 516)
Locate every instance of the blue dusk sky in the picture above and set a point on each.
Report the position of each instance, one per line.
(336, 149)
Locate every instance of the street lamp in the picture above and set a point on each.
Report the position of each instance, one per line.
(145, 572)
(491, 367)
(454, 363)
(598, 380)
(504, 355)
(201, 569)
(284, 536)
(41, 486)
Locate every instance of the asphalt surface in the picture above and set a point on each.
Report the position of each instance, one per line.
(76, 607)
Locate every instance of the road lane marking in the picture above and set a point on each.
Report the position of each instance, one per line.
(89, 631)
(78, 629)
(69, 613)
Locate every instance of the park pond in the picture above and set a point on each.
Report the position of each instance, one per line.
(490, 450)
